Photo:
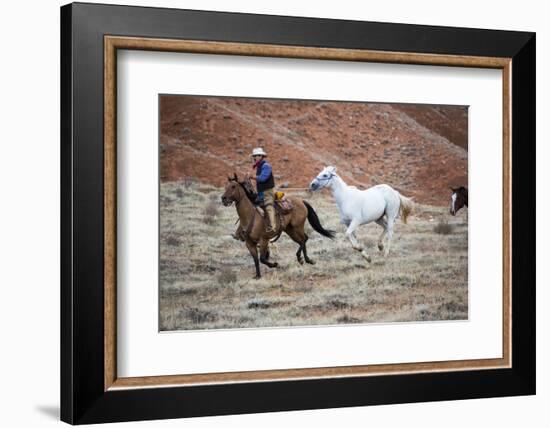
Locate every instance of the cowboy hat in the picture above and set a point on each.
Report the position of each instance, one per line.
(258, 151)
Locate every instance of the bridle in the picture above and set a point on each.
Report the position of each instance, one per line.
(326, 179)
(237, 201)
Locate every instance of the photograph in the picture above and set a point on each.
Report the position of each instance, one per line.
(293, 212)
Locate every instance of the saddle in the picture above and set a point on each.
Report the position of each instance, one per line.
(282, 204)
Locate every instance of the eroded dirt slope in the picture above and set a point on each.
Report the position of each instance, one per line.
(420, 150)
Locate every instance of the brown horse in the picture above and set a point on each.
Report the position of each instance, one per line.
(459, 198)
(253, 225)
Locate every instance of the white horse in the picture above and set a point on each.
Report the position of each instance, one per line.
(380, 204)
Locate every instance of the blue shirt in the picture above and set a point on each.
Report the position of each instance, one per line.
(265, 172)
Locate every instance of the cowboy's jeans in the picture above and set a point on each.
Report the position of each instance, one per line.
(269, 200)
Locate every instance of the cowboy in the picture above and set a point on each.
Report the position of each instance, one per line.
(265, 184)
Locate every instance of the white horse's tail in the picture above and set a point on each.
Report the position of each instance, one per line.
(405, 207)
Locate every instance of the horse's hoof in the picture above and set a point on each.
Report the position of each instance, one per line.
(256, 276)
(380, 247)
(274, 265)
(311, 262)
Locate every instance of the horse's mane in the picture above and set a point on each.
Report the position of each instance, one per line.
(247, 187)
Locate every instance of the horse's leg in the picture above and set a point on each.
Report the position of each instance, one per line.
(382, 222)
(300, 236)
(252, 248)
(389, 232)
(239, 233)
(392, 212)
(304, 249)
(264, 254)
(299, 255)
(301, 239)
(350, 233)
(293, 233)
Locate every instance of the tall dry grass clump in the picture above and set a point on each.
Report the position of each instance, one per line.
(443, 228)
(227, 276)
(211, 212)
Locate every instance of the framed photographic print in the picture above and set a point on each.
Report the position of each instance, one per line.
(264, 213)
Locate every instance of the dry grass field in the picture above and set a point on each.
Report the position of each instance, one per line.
(206, 276)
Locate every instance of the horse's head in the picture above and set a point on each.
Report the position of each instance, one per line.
(459, 198)
(234, 190)
(324, 178)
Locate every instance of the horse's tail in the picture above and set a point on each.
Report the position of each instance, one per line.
(405, 207)
(316, 224)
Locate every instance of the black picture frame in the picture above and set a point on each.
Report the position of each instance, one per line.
(83, 397)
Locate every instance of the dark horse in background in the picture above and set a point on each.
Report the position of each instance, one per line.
(459, 198)
(252, 223)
